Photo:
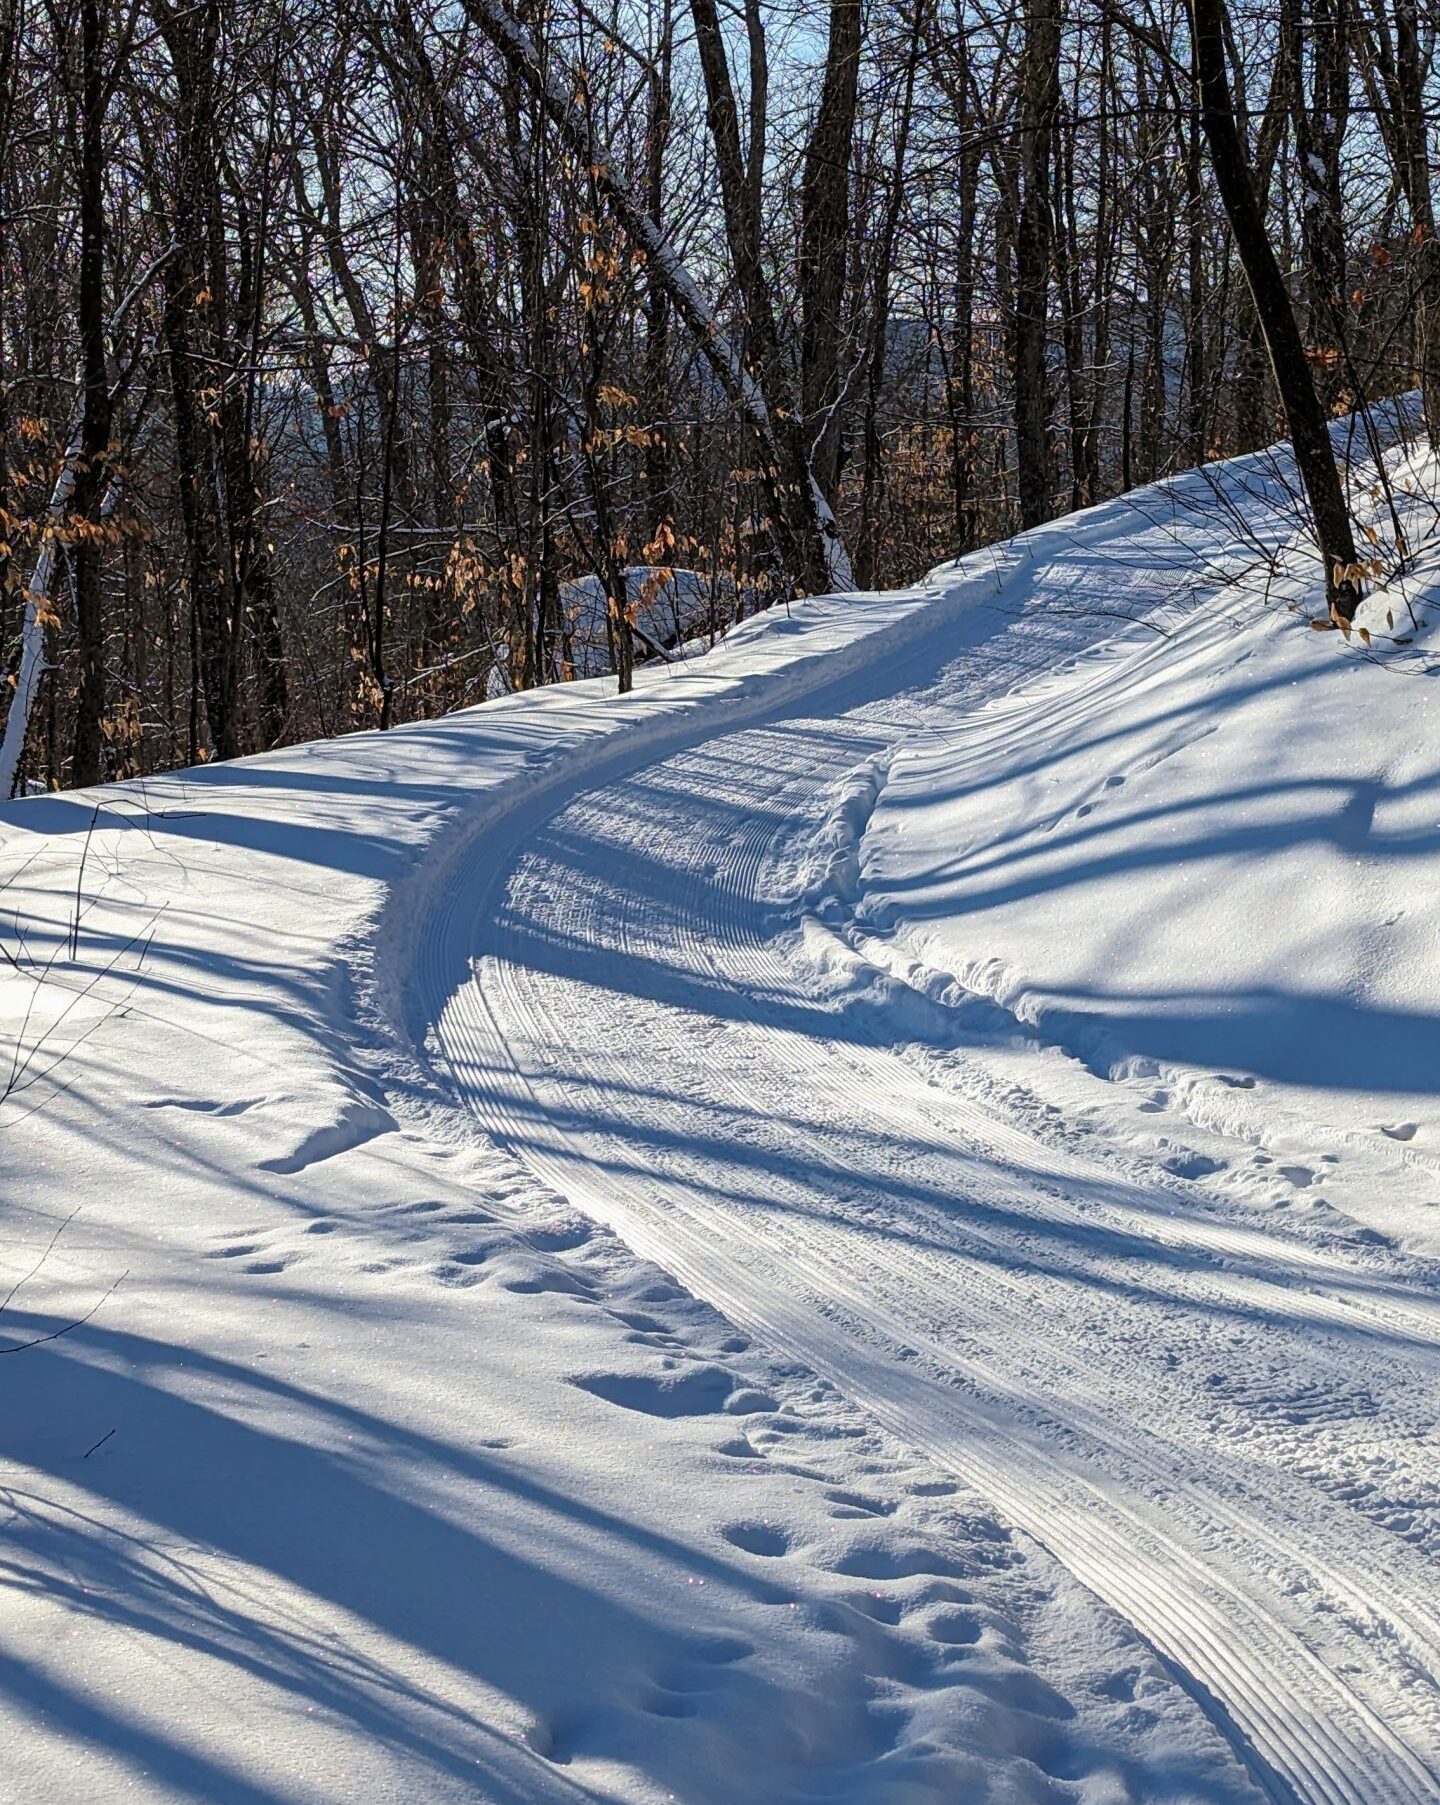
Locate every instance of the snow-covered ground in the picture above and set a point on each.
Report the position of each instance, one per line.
(860, 1224)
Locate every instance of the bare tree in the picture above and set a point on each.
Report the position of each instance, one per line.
(1314, 454)
(341, 348)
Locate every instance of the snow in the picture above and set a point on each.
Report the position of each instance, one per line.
(857, 1224)
(672, 605)
(1236, 925)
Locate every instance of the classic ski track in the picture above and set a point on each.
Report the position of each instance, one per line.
(767, 970)
(1232, 1655)
(1005, 1294)
(757, 960)
(1301, 1727)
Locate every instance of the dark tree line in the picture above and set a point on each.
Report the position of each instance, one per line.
(360, 361)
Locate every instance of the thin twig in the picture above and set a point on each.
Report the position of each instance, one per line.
(50, 1248)
(19, 1347)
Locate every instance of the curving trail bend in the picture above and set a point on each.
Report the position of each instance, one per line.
(623, 986)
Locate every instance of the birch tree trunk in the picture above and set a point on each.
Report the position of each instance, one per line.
(39, 610)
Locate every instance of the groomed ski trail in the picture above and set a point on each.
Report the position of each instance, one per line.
(621, 988)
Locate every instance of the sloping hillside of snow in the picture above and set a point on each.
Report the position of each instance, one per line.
(855, 1225)
(1202, 864)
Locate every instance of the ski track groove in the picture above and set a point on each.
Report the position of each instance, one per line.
(903, 1330)
(1058, 1468)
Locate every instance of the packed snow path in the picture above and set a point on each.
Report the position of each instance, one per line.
(647, 983)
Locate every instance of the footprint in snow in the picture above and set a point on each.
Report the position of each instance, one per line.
(1192, 1165)
(564, 1283)
(639, 1339)
(747, 1402)
(700, 1390)
(739, 1447)
(560, 1239)
(721, 1650)
(660, 1293)
(878, 1605)
(858, 1504)
(882, 1562)
(207, 1106)
(457, 1277)
(355, 1124)
(955, 1627)
(765, 1539)
(667, 1704)
(1021, 1689)
(640, 1322)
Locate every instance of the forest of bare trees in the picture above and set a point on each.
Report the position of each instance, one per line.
(350, 352)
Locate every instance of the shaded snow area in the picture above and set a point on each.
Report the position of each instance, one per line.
(861, 1224)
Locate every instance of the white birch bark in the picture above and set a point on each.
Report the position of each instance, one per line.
(39, 598)
(38, 607)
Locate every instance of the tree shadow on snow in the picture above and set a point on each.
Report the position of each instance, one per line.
(255, 1549)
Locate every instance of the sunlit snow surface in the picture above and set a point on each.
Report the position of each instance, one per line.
(857, 1225)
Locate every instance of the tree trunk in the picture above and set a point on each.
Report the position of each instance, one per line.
(193, 328)
(1320, 122)
(86, 548)
(807, 552)
(824, 246)
(1040, 103)
(1314, 454)
(659, 501)
(1198, 363)
(1403, 121)
(873, 469)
